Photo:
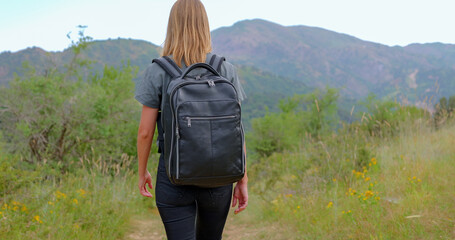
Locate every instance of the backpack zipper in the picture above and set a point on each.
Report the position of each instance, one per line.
(188, 119)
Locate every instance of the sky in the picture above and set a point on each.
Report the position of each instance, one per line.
(46, 23)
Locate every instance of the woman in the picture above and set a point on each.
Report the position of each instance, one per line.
(187, 212)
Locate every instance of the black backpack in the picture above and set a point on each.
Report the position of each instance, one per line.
(201, 121)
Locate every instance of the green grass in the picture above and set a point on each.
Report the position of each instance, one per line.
(85, 204)
(408, 194)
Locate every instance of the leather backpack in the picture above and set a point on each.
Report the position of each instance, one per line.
(200, 120)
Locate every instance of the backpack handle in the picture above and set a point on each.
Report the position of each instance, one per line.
(200, 65)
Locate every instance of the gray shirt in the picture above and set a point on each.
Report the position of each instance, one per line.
(149, 89)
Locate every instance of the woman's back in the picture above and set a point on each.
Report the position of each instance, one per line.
(187, 212)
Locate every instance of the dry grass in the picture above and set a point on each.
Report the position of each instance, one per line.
(411, 186)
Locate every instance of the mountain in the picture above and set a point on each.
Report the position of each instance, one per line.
(102, 52)
(264, 90)
(320, 57)
(275, 61)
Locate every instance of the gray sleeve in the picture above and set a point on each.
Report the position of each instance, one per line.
(231, 74)
(149, 88)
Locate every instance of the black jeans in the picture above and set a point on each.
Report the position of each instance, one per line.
(190, 212)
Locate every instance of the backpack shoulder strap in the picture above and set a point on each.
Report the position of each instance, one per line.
(168, 65)
(216, 62)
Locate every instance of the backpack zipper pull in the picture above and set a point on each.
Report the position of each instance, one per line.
(211, 83)
(189, 121)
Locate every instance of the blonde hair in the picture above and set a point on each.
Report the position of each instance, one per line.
(188, 33)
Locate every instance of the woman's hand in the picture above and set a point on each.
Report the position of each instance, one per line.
(144, 180)
(240, 195)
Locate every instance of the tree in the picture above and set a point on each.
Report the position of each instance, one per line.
(59, 117)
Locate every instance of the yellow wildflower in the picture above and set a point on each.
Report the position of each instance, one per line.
(5, 206)
(359, 174)
(298, 207)
(367, 179)
(15, 203)
(378, 198)
(37, 219)
(373, 161)
(369, 193)
(342, 212)
(1, 213)
(352, 191)
(330, 204)
(289, 195)
(75, 201)
(50, 203)
(414, 177)
(334, 179)
(24, 208)
(15, 208)
(59, 194)
(349, 211)
(82, 192)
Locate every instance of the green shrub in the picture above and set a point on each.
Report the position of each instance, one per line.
(444, 111)
(59, 117)
(303, 115)
(385, 118)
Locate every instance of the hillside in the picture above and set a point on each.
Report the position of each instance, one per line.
(307, 57)
(318, 57)
(102, 52)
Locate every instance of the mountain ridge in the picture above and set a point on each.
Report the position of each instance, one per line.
(327, 57)
(314, 56)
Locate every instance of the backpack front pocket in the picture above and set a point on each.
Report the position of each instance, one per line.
(209, 146)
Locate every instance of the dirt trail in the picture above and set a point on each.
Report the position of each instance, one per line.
(238, 227)
(146, 228)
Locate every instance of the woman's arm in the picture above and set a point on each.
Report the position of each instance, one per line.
(144, 143)
(241, 191)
